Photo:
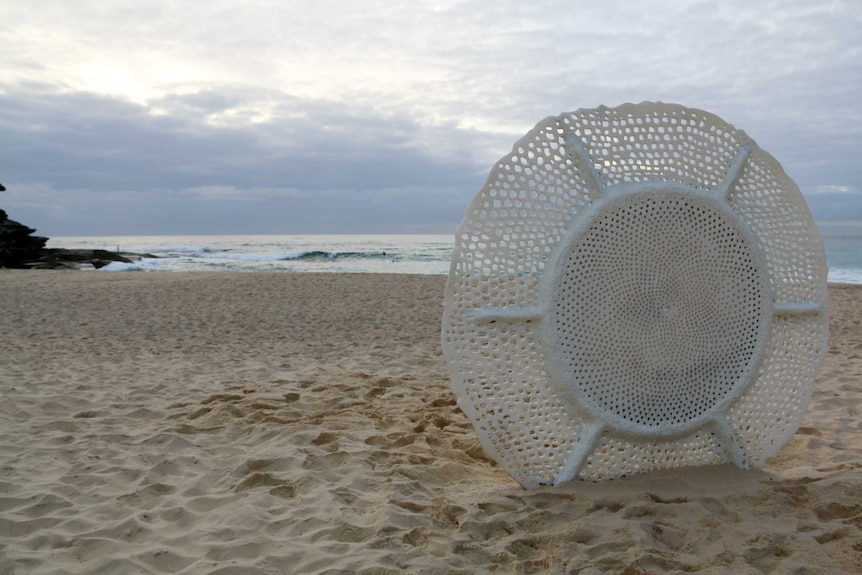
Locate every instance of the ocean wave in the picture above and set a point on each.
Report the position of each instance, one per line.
(303, 255)
(338, 253)
(145, 264)
(185, 250)
(303, 260)
(845, 276)
(322, 255)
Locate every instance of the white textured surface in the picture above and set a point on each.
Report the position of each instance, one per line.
(634, 288)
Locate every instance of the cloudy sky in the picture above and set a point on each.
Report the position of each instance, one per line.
(341, 116)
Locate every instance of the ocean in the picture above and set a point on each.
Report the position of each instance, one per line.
(409, 254)
(843, 243)
(413, 254)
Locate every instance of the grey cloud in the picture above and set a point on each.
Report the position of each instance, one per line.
(835, 206)
(409, 153)
(83, 140)
(229, 210)
(314, 166)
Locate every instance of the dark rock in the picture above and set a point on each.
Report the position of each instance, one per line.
(17, 246)
(55, 258)
(20, 249)
(58, 258)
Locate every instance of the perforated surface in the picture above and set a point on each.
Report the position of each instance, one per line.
(676, 306)
(634, 288)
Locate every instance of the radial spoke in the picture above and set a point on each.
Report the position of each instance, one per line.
(512, 314)
(727, 439)
(586, 442)
(733, 173)
(783, 308)
(576, 146)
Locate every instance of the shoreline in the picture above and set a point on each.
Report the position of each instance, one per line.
(202, 421)
(836, 285)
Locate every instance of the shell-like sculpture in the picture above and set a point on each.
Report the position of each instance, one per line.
(635, 288)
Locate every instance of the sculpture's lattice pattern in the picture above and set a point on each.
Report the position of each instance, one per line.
(634, 288)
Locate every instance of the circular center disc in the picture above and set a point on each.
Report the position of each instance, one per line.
(659, 309)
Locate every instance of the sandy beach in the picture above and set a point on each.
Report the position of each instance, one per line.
(303, 423)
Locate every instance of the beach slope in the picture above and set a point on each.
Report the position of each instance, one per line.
(303, 423)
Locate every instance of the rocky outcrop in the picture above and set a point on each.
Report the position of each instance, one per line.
(18, 246)
(58, 258)
(20, 249)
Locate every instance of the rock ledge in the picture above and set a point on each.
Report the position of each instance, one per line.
(21, 250)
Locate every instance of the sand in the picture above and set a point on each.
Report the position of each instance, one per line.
(303, 423)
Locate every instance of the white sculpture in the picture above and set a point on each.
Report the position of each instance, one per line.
(634, 288)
